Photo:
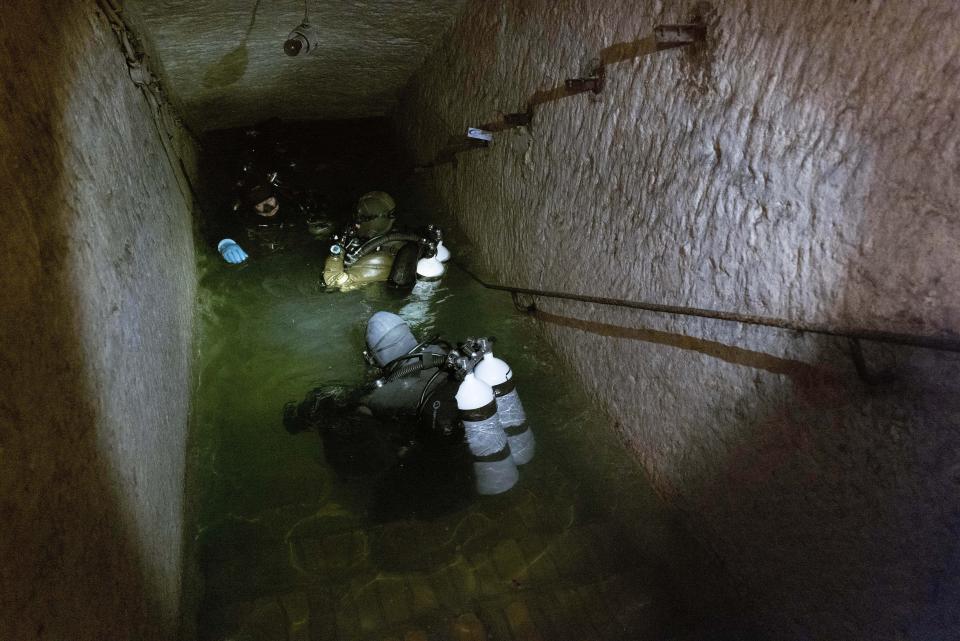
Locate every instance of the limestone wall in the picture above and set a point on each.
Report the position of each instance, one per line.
(225, 63)
(801, 164)
(97, 275)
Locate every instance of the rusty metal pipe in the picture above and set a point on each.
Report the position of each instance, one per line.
(942, 343)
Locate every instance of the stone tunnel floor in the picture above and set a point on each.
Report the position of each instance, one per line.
(579, 549)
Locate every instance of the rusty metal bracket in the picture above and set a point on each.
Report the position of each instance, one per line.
(519, 119)
(594, 82)
(470, 144)
(448, 155)
(669, 36)
(510, 121)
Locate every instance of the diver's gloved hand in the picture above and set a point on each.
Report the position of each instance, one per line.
(231, 251)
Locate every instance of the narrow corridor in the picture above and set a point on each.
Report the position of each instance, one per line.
(579, 548)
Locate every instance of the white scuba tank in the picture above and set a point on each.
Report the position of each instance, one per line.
(430, 268)
(443, 254)
(493, 467)
(498, 375)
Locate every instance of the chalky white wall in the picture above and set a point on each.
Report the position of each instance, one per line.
(802, 163)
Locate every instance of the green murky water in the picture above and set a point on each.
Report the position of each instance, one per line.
(578, 549)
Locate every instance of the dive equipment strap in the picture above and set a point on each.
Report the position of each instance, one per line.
(502, 455)
(479, 413)
(505, 387)
(516, 430)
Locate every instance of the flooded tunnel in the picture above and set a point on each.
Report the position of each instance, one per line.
(716, 244)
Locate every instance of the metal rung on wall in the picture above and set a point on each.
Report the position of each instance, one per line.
(666, 36)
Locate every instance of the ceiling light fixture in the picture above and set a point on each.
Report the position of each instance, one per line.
(304, 38)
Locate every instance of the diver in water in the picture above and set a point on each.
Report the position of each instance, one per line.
(427, 413)
(370, 250)
(273, 200)
(401, 434)
(412, 397)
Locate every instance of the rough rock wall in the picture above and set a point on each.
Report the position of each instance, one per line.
(225, 64)
(802, 163)
(97, 275)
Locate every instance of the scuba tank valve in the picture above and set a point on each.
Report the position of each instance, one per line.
(436, 234)
(429, 267)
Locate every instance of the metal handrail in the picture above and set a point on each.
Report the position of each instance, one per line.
(942, 343)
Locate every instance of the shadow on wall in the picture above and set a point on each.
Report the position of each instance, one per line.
(66, 570)
(233, 64)
(834, 502)
(802, 374)
(845, 502)
(844, 494)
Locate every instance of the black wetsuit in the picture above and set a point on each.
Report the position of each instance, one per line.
(418, 460)
(404, 416)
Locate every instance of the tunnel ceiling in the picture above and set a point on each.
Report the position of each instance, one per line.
(223, 62)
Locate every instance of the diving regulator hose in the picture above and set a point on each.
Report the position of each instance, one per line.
(459, 361)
